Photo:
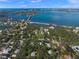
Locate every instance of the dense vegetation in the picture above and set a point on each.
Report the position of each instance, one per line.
(41, 42)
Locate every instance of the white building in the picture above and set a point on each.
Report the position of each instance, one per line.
(50, 52)
(0, 31)
(51, 27)
(33, 53)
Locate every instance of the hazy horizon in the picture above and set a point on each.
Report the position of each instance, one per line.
(39, 4)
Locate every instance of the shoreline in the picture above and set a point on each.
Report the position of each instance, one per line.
(48, 24)
(39, 23)
(66, 26)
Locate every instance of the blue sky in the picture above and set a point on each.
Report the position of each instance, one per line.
(39, 3)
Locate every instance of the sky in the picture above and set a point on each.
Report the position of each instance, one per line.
(39, 3)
